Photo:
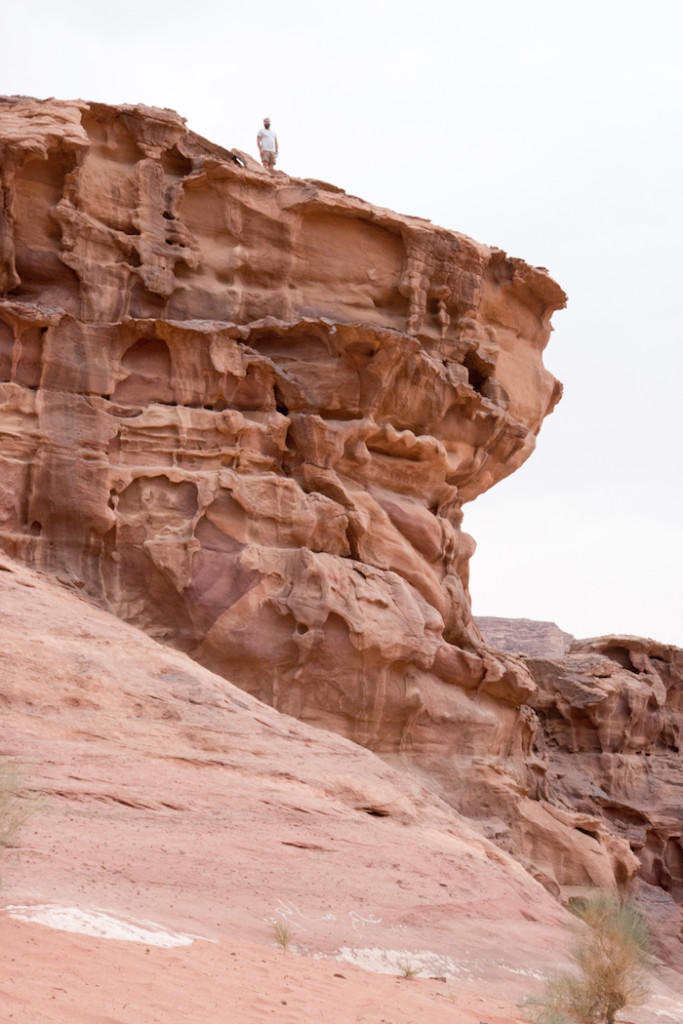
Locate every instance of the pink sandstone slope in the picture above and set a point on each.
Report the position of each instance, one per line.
(167, 796)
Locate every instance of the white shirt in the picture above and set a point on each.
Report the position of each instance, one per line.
(267, 140)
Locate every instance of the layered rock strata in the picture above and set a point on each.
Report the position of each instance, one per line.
(612, 724)
(243, 412)
(610, 713)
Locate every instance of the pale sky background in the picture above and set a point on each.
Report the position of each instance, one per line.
(554, 131)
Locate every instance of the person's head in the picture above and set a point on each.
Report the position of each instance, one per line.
(266, 122)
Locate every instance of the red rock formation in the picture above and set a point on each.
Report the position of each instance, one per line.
(612, 720)
(610, 714)
(243, 412)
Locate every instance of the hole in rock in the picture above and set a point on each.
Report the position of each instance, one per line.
(621, 655)
(375, 812)
(280, 403)
(477, 370)
(475, 378)
(148, 363)
(175, 165)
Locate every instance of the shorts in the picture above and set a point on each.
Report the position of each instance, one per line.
(268, 158)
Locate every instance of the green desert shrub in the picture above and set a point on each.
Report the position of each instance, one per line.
(612, 958)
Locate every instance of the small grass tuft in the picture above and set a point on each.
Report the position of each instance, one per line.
(282, 933)
(407, 969)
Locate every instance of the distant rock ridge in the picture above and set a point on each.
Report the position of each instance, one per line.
(244, 412)
(611, 735)
(525, 636)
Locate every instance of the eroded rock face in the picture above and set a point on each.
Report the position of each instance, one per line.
(243, 412)
(610, 714)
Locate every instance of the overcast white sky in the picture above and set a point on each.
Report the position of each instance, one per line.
(553, 131)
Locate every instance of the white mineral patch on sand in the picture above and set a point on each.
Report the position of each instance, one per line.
(674, 1011)
(99, 924)
(397, 961)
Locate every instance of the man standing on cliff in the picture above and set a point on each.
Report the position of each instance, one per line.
(267, 145)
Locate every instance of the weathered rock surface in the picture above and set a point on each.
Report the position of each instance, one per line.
(525, 636)
(612, 718)
(168, 796)
(243, 412)
(610, 712)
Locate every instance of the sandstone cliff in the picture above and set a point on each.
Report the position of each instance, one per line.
(243, 412)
